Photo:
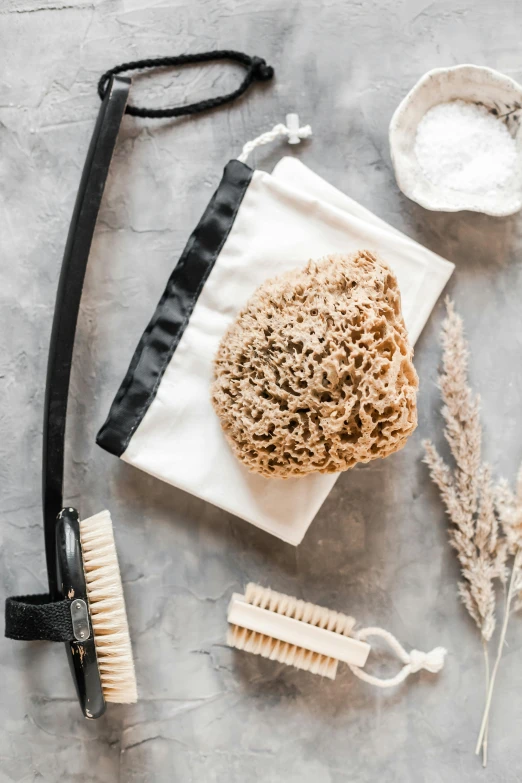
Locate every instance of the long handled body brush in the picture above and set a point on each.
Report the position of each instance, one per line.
(313, 638)
(84, 607)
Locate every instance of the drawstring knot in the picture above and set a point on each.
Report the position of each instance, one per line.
(260, 70)
(291, 130)
(432, 661)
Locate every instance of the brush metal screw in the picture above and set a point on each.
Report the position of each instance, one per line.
(80, 620)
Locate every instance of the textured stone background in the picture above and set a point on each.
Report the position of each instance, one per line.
(378, 548)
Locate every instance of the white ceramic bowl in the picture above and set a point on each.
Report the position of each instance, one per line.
(472, 83)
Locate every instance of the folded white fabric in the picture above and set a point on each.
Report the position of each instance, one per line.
(257, 226)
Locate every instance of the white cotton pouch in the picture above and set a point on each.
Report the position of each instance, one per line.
(257, 226)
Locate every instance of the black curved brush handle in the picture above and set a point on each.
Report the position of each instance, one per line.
(74, 263)
(70, 580)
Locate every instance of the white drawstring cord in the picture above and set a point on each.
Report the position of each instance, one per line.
(294, 135)
(413, 661)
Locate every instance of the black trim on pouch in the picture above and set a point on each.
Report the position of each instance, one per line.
(162, 335)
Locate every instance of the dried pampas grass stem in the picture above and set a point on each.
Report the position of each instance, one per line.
(486, 520)
(467, 489)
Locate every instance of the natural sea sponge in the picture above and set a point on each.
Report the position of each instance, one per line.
(316, 373)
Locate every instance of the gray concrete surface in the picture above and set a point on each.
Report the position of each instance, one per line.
(378, 548)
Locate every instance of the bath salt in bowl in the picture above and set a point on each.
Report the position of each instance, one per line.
(456, 143)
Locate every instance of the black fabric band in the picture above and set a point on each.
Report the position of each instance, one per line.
(166, 328)
(256, 67)
(33, 617)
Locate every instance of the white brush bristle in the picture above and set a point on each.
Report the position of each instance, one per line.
(289, 654)
(107, 609)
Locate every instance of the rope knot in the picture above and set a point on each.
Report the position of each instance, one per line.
(432, 661)
(305, 132)
(261, 71)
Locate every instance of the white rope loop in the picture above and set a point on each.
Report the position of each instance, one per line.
(266, 138)
(414, 661)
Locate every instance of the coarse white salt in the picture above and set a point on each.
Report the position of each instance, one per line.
(465, 147)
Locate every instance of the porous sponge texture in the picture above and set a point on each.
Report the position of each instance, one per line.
(316, 373)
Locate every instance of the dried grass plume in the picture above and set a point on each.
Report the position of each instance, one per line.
(467, 489)
(486, 520)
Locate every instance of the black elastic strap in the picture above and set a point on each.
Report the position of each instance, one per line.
(257, 70)
(38, 617)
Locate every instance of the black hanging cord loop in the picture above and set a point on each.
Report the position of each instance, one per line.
(257, 70)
